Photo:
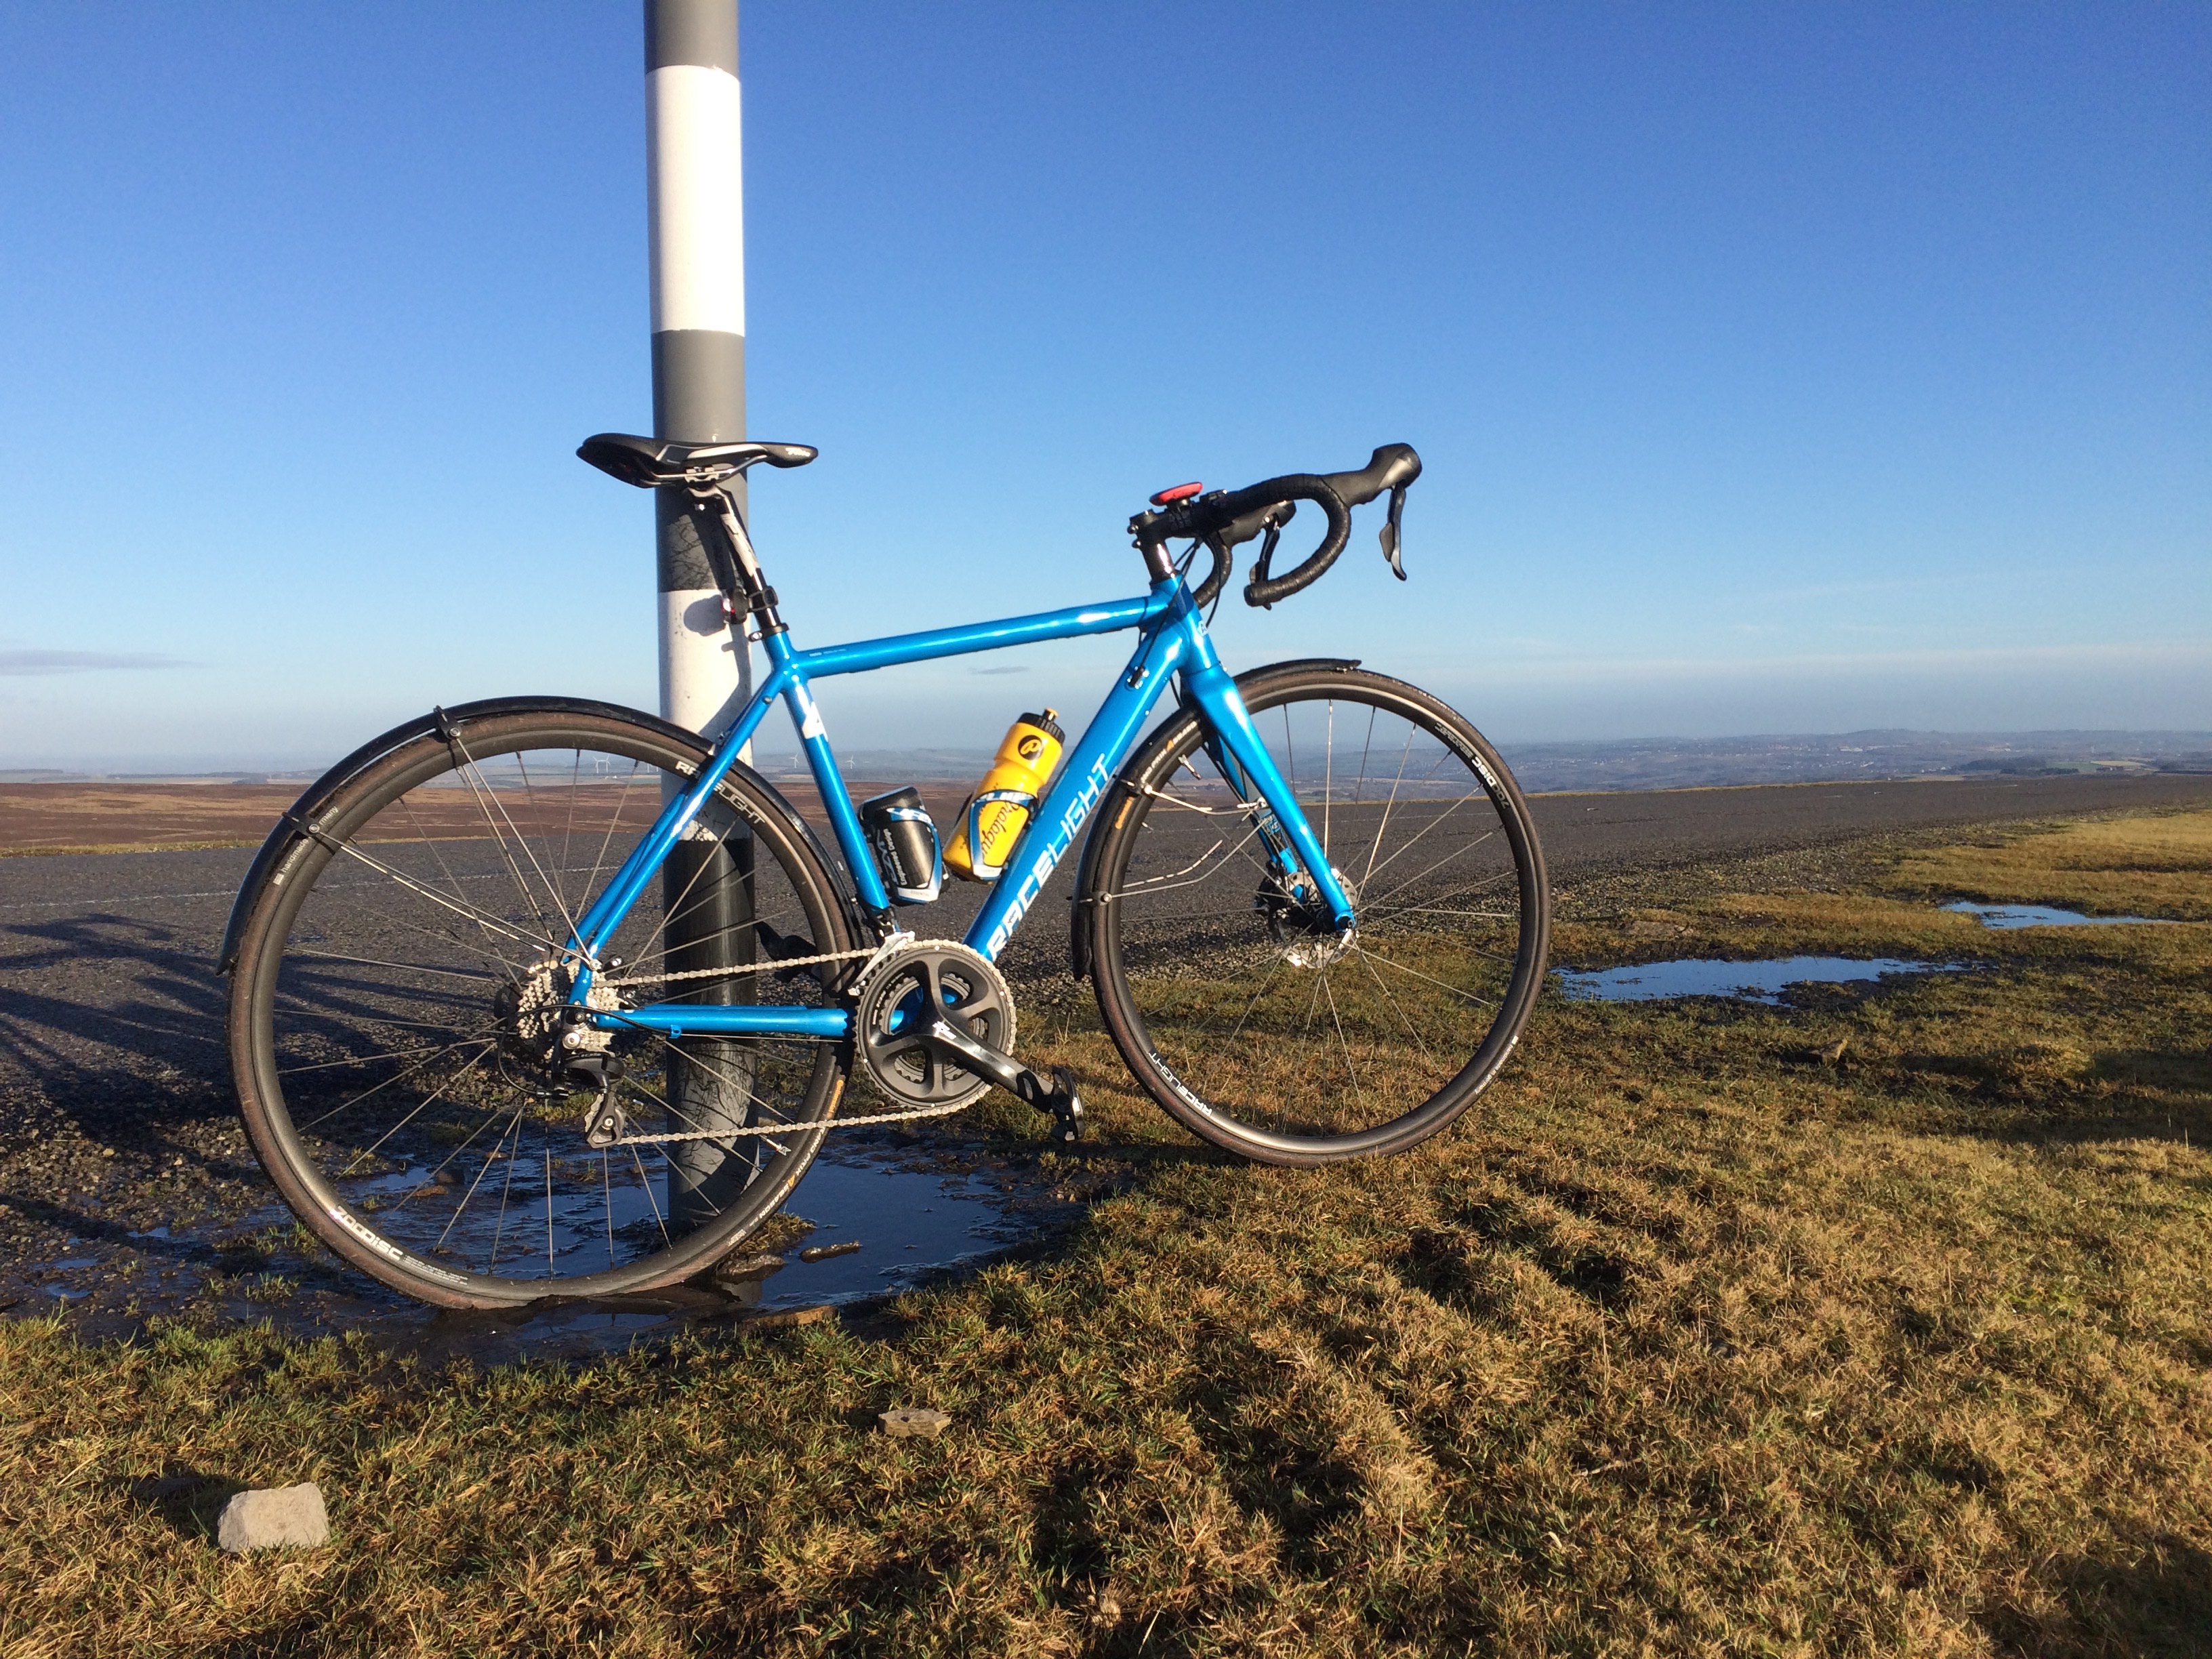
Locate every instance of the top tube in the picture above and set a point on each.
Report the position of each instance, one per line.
(860, 655)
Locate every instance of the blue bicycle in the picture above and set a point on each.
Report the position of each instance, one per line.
(541, 995)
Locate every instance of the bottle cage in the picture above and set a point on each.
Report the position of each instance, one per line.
(975, 805)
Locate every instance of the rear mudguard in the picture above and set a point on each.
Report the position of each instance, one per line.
(1109, 810)
(294, 829)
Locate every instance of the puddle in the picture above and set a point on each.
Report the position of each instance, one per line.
(1754, 981)
(910, 1221)
(2047, 915)
(910, 1225)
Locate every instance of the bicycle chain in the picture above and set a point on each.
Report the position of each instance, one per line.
(787, 1128)
(775, 966)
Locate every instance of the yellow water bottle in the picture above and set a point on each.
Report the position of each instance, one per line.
(994, 818)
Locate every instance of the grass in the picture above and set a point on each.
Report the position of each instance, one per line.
(1874, 1323)
(2155, 865)
(74, 849)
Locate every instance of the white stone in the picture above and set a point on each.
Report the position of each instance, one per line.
(913, 1422)
(272, 1517)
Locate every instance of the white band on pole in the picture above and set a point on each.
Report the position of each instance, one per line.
(696, 192)
(703, 685)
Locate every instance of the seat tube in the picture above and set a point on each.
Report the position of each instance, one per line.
(829, 780)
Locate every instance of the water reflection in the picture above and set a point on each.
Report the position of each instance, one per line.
(876, 1224)
(1754, 981)
(2044, 915)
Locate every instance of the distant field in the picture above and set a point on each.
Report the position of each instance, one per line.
(114, 818)
(129, 817)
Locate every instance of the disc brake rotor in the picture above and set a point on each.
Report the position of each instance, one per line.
(1299, 921)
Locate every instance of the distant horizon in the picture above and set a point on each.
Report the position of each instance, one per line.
(2081, 743)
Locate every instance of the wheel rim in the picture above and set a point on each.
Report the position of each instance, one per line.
(1248, 1016)
(406, 1028)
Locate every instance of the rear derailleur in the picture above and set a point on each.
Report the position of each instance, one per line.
(605, 1121)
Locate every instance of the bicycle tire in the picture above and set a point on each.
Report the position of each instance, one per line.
(1240, 1012)
(396, 964)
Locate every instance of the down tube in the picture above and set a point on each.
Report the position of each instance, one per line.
(1060, 817)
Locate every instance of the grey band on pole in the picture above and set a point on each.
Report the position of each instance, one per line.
(698, 394)
(701, 32)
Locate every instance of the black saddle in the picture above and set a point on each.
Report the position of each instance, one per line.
(649, 463)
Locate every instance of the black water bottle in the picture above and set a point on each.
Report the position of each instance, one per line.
(904, 840)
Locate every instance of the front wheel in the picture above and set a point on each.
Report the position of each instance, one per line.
(1235, 1001)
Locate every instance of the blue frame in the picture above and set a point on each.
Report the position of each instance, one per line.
(1172, 642)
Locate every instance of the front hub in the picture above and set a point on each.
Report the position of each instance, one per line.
(1301, 921)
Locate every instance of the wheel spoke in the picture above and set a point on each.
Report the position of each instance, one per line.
(1399, 967)
(482, 917)
(513, 1127)
(419, 1108)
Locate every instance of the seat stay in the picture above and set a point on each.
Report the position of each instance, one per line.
(606, 913)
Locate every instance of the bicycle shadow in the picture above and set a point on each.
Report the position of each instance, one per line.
(152, 1014)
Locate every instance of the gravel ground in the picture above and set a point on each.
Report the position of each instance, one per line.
(116, 1129)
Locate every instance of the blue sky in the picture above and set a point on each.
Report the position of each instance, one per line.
(1775, 368)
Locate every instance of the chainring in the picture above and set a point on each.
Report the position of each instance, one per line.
(893, 1007)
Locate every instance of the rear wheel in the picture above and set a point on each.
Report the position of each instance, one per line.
(396, 1025)
(1235, 1001)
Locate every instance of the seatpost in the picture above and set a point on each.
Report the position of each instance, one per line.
(747, 589)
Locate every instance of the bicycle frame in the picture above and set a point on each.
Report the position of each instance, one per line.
(1172, 642)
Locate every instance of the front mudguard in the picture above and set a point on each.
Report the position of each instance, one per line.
(1118, 794)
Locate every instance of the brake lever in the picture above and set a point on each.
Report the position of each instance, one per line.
(1389, 537)
(1267, 553)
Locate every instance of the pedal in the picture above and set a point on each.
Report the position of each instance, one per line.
(1059, 1096)
(1065, 1105)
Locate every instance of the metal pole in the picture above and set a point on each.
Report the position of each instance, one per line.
(695, 190)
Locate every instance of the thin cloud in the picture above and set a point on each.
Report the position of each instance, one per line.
(82, 662)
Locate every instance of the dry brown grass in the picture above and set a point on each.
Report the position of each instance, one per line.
(1689, 1341)
(2151, 866)
(88, 818)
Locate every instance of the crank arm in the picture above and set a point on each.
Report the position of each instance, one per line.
(1058, 1097)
